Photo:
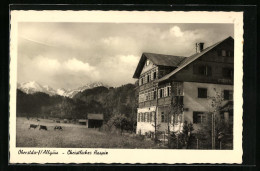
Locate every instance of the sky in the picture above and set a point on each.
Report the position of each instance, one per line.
(69, 55)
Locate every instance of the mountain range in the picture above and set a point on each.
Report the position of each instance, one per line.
(33, 102)
(32, 87)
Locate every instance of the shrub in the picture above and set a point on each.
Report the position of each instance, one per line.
(182, 139)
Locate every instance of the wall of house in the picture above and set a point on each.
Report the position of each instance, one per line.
(212, 59)
(193, 103)
(147, 67)
(145, 126)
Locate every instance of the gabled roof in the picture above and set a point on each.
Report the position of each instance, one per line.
(96, 116)
(190, 59)
(158, 59)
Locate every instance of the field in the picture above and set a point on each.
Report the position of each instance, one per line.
(73, 136)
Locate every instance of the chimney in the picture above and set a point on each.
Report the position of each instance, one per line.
(199, 47)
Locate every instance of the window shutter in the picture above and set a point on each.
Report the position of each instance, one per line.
(152, 118)
(165, 91)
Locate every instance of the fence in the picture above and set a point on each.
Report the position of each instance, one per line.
(178, 142)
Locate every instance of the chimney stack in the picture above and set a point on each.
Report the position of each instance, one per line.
(199, 47)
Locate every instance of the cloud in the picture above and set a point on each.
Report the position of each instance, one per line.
(81, 53)
(176, 31)
(129, 59)
(45, 70)
(46, 64)
(76, 65)
(110, 41)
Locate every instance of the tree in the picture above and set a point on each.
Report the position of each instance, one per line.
(120, 121)
(215, 128)
(182, 139)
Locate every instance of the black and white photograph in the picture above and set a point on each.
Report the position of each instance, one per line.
(92, 87)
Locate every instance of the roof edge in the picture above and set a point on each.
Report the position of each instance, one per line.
(167, 76)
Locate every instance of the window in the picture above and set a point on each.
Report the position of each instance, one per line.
(142, 119)
(148, 78)
(204, 70)
(150, 116)
(223, 53)
(230, 53)
(160, 93)
(154, 95)
(228, 95)
(147, 62)
(153, 115)
(162, 117)
(154, 75)
(138, 117)
(227, 73)
(202, 93)
(199, 117)
(178, 88)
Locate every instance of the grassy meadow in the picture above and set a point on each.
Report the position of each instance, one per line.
(73, 136)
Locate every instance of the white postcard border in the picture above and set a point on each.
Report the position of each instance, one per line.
(132, 156)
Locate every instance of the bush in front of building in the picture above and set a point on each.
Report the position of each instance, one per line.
(184, 139)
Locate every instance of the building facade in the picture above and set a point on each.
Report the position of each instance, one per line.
(174, 89)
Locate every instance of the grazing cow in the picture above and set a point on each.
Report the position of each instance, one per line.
(58, 128)
(38, 120)
(57, 121)
(43, 127)
(33, 126)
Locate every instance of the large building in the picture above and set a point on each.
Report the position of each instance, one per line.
(174, 89)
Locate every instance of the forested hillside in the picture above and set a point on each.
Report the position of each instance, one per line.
(109, 101)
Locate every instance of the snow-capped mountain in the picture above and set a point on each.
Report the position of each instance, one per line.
(61, 92)
(73, 92)
(33, 87)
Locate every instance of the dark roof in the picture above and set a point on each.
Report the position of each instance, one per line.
(158, 59)
(164, 60)
(190, 59)
(96, 116)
